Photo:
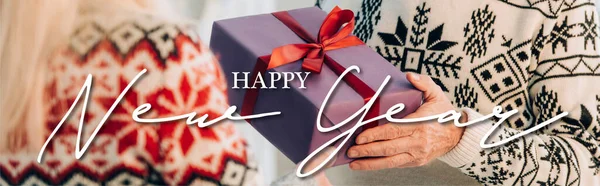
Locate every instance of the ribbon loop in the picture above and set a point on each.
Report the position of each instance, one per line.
(331, 30)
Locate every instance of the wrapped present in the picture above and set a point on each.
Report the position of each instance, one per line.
(286, 42)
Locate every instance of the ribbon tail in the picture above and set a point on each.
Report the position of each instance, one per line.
(314, 63)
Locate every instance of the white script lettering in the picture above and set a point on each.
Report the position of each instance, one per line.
(228, 114)
(441, 118)
(135, 115)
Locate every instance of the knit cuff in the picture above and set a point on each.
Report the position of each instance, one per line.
(468, 147)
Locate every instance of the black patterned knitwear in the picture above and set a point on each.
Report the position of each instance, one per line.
(538, 56)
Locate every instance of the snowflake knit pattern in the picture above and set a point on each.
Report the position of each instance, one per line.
(538, 56)
(183, 76)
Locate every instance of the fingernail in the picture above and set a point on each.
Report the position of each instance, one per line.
(354, 166)
(414, 76)
(361, 140)
(353, 153)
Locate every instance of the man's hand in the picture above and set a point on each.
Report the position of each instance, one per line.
(408, 145)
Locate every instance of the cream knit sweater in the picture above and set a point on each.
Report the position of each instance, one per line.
(541, 57)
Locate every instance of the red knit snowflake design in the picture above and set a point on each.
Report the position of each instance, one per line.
(183, 77)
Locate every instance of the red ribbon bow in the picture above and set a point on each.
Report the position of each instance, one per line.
(331, 37)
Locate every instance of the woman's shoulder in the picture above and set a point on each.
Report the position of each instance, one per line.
(127, 32)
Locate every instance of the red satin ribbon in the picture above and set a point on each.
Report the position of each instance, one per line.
(331, 37)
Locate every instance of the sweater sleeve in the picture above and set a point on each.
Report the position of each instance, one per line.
(562, 79)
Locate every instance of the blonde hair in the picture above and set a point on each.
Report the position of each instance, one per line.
(30, 31)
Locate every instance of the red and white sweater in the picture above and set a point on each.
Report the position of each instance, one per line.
(183, 76)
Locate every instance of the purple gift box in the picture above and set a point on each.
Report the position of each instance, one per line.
(240, 41)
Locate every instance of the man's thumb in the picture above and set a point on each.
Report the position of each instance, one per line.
(426, 84)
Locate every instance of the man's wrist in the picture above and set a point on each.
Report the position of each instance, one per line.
(468, 146)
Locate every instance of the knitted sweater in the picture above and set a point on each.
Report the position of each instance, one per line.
(183, 77)
(540, 57)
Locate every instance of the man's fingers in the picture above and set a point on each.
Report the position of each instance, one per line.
(382, 163)
(384, 132)
(426, 84)
(381, 148)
